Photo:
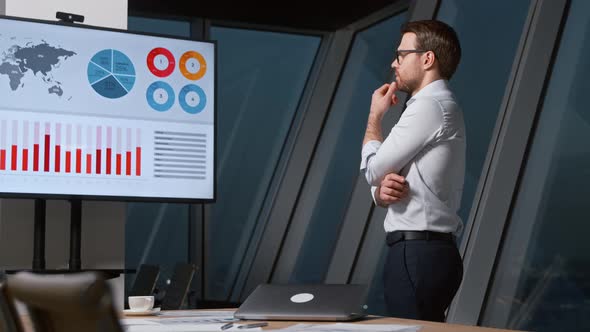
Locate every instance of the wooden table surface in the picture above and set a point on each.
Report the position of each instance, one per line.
(426, 326)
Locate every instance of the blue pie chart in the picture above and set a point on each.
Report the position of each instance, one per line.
(111, 74)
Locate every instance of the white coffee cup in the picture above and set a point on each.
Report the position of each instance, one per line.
(141, 303)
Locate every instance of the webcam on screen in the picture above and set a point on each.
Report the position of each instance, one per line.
(69, 17)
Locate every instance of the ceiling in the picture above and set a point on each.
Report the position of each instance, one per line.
(294, 14)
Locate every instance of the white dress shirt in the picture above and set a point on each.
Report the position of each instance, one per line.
(427, 147)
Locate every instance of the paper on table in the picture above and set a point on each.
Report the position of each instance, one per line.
(347, 327)
(189, 317)
(194, 321)
(193, 313)
(183, 328)
(143, 322)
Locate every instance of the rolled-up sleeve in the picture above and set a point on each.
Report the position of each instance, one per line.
(419, 125)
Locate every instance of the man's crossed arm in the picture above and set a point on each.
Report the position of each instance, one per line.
(392, 189)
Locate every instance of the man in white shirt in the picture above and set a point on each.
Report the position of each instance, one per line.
(417, 173)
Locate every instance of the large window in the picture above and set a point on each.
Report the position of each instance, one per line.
(367, 68)
(261, 78)
(541, 281)
(489, 32)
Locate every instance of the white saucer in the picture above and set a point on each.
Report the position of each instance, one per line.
(152, 312)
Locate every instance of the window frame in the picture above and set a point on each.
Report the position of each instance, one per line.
(506, 156)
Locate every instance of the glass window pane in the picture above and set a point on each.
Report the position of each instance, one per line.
(489, 32)
(159, 26)
(367, 68)
(156, 233)
(261, 78)
(542, 278)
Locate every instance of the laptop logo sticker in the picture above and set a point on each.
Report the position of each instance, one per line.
(301, 298)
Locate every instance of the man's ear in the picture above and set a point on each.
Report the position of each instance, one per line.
(428, 60)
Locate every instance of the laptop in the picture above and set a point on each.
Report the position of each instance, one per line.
(313, 302)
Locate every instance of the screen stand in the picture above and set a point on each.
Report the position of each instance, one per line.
(75, 234)
(75, 263)
(39, 236)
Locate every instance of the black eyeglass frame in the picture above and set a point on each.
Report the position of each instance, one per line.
(397, 53)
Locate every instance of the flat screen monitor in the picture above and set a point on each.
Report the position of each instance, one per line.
(96, 113)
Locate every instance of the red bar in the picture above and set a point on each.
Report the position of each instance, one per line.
(46, 164)
(109, 151)
(14, 153)
(68, 161)
(78, 160)
(98, 154)
(25, 159)
(2, 159)
(36, 157)
(128, 163)
(138, 161)
(57, 158)
(118, 164)
(88, 163)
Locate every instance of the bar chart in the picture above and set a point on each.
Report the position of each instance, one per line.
(70, 148)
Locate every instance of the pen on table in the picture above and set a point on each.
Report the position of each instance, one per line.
(227, 326)
(253, 325)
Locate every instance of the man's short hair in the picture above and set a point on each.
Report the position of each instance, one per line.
(440, 38)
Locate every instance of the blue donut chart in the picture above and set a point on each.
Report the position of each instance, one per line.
(183, 102)
(151, 97)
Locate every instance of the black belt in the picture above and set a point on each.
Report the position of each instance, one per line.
(397, 236)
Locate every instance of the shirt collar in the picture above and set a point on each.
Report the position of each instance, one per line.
(436, 88)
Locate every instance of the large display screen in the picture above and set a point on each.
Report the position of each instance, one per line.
(87, 112)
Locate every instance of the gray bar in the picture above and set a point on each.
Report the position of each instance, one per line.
(177, 160)
(200, 140)
(192, 162)
(179, 134)
(181, 165)
(179, 155)
(180, 177)
(177, 144)
(181, 150)
(178, 171)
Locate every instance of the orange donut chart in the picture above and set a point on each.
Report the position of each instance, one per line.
(182, 64)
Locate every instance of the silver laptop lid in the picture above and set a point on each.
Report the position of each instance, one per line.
(314, 302)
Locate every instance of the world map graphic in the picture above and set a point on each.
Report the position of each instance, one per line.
(36, 59)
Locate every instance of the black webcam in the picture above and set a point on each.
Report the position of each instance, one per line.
(68, 17)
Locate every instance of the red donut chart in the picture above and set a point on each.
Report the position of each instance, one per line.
(152, 65)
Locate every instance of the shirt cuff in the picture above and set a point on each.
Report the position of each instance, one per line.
(369, 150)
(373, 192)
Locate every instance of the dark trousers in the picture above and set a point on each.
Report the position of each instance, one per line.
(421, 278)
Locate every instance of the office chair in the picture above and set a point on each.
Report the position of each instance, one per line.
(9, 319)
(178, 287)
(145, 281)
(66, 303)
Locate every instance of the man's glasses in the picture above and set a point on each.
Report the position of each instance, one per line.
(399, 54)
